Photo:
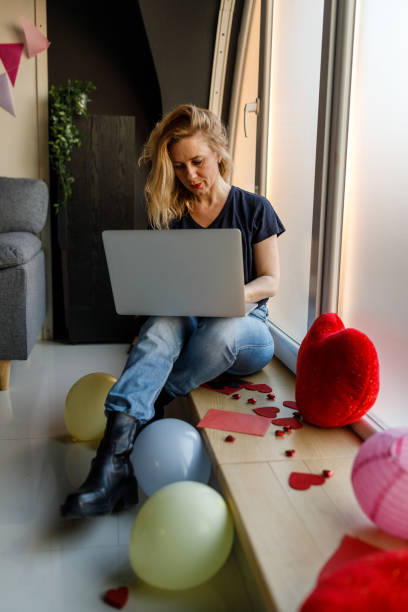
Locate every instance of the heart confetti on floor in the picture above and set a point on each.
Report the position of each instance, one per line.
(267, 411)
(226, 384)
(303, 481)
(116, 598)
(227, 390)
(290, 404)
(258, 387)
(288, 422)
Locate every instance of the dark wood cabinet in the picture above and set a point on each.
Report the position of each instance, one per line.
(142, 66)
(107, 194)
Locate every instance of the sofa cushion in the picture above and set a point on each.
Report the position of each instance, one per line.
(17, 248)
(23, 205)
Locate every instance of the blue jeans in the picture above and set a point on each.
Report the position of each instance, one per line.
(181, 353)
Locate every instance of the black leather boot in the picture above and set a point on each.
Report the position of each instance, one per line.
(111, 483)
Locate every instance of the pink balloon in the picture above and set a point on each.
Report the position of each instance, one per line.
(380, 480)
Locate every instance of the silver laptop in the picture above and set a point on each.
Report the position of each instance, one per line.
(184, 272)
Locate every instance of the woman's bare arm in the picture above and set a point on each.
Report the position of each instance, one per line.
(266, 284)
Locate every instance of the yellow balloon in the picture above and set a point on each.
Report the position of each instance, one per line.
(85, 405)
(181, 536)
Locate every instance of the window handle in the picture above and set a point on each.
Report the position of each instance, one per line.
(250, 107)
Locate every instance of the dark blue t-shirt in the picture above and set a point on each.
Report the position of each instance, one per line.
(248, 212)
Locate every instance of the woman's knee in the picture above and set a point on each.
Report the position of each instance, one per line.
(216, 334)
(252, 359)
(223, 328)
(248, 344)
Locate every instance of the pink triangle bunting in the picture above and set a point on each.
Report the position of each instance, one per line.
(35, 40)
(6, 100)
(10, 55)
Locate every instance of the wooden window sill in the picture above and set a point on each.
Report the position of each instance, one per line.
(286, 535)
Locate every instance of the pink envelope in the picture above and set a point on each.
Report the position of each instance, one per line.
(226, 420)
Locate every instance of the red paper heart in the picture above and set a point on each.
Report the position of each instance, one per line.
(267, 411)
(337, 373)
(258, 387)
(226, 384)
(228, 420)
(290, 404)
(288, 422)
(303, 481)
(116, 598)
(226, 390)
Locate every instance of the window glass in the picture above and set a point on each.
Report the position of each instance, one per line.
(373, 286)
(244, 150)
(295, 78)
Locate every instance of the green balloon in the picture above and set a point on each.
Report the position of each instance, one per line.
(181, 536)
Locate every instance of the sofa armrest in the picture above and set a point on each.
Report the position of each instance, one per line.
(23, 205)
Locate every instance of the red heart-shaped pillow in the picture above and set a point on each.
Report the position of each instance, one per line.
(337, 373)
(373, 583)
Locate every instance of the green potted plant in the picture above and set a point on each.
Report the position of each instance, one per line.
(66, 103)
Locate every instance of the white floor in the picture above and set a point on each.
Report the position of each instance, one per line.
(52, 564)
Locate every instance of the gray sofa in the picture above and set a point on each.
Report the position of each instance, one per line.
(23, 212)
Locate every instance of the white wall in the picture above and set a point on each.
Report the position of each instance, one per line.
(23, 144)
(24, 138)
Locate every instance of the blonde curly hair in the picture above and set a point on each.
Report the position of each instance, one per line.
(166, 197)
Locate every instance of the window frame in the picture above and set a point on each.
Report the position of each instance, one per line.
(339, 19)
(338, 32)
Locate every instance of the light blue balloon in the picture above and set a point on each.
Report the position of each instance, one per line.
(167, 451)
